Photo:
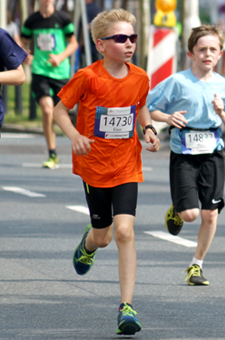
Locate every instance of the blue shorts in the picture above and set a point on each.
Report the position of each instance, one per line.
(104, 203)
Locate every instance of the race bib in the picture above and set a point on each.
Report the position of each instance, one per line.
(196, 142)
(46, 42)
(115, 122)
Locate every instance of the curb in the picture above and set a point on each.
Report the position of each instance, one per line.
(21, 129)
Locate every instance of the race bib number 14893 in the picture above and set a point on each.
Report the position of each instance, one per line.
(198, 142)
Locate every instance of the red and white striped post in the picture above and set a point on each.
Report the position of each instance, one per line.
(162, 56)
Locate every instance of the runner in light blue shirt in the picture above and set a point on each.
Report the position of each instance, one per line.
(183, 91)
(192, 103)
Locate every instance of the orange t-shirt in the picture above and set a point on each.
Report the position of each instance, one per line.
(110, 162)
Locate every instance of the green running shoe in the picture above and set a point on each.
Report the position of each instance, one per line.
(128, 324)
(195, 276)
(51, 162)
(173, 221)
(82, 261)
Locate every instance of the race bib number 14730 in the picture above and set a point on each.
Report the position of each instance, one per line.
(114, 123)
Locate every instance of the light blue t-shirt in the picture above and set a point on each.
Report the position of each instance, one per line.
(184, 92)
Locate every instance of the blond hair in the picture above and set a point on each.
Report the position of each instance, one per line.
(100, 25)
(198, 32)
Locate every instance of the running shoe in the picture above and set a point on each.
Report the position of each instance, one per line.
(82, 261)
(195, 276)
(173, 221)
(51, 162)
(128, 324)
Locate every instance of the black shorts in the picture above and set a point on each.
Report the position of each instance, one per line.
(195, 178)
(103, 203)
(45, 86)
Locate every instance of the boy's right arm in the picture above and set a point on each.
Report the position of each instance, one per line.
(176, 119)
(81, 145)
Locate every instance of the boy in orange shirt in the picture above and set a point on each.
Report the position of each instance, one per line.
(106, 150)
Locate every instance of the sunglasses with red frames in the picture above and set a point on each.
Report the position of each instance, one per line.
(122, 38)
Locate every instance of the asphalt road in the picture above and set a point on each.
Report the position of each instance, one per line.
(42, 218)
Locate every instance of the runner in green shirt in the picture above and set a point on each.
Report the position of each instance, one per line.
(54, 41)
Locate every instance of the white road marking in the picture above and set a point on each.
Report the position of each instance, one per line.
(23, 191)
(79, 208)
(64, 166)
(171, 238)
(38, 165)
(159, 234)
(18, 135)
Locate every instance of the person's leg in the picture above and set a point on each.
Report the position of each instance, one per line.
(206, 232)
(205, 236)
(98, 238)
(184, 192)
(98, 234)
(127, 261)
(47, 106)
(124, 198)
(189, 215)
(210, 184)
(43, 93)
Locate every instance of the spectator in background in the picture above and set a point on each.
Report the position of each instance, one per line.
(92, 11)
(54, 42)
(13, 29)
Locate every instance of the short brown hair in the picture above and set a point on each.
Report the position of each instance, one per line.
(201, 31)
(101, 23)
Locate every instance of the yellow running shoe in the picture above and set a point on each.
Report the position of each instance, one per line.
(82, 261)
(51, 162)
(128, 324)
(195, 276)
(173, 221)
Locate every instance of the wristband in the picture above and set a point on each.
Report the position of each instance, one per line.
(150, 127)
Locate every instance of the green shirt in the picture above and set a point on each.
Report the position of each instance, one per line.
(50, 36)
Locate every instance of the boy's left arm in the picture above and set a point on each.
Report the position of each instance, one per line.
(218, 106)
(144, 119)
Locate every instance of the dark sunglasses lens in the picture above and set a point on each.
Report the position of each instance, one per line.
(122, 38)
(133, 38)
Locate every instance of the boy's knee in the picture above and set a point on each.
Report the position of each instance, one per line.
(47, 113)
(189, 215)
(209, 216)
(124, 234)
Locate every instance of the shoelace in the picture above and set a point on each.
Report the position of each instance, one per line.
(193, 270)
(128, 310)
(86, 258)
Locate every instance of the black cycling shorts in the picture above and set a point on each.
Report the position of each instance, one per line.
(45, 86)
(104, 203)
(195, 178)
